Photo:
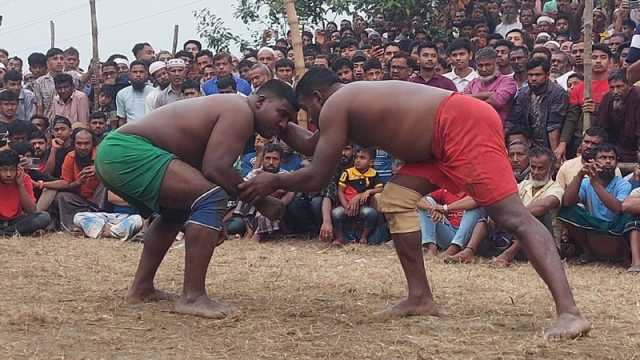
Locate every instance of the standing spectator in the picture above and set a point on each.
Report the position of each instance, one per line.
(192, 46)
(176, 70)
(601, 194)
(344, 69)
(18, 212)
(400, 67)
(8, 108)
(130, 100)
(227, 85)
(428, 61)
(41, 123)
(143, 52)
(518, 57)
(259, 74)
(190, 89)
(461, 54)
(358, 59)
(572, 130)
(203, 58)
(285, 71)
(26, 99)
(509, 18)
(503, 49)
(373, 70)
(72, 62)
(619, 115)
(267, 56)
(222, 63)
(15, 63)
(490, 86)
(540, 108)
(159, 74)
(208, 73)
(559, 65)
(69, 102)
(44, 87)
(516, 37)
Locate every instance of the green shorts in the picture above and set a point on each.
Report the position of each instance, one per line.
(133, 168)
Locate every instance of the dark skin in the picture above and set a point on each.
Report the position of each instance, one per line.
(208, 125)
(365, 114)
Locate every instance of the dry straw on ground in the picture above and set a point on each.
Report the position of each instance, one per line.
(62, 299)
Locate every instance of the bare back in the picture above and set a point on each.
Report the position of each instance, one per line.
(184, 128)
(395, 116)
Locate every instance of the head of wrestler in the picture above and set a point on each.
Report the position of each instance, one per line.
(83, 144)
(272, 158)
(314, 89)
(274, 104)
(541, 162)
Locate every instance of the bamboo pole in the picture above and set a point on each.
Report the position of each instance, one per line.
(296, 39)
(94, 30)
(52, 28)
(588, 63)
(175, 39)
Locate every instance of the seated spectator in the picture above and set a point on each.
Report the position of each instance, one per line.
(106, 105)
(304, 215)
(595, 225)
(260, 227)
(373, 70)
(519, 157)
(460, 53)
(447, 221)
(98, 125)
(19, 132)
(490, 86)
(190, 89)
(40, 122)
(227, 85)
(79, 182)
(8, 108)
(540, 194)
(39, 151)
(60, 146)
(69, 102)
(291, 161)
(631, 205)
(540, 107)
(619, 115)
(123, 225)
(18, 213)
(355, 188)
(344, 69)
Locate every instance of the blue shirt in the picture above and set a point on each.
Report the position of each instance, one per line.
(383, 164)
(294, 163)
(211, 86)
(618, 187)
(130, 103)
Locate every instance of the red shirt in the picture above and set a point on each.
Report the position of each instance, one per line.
(71, 173)
(599, 88)
(10, 206)
(442, 196)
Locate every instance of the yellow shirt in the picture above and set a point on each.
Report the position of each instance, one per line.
(551, 188)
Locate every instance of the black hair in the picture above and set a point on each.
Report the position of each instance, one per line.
(542, 50)
(204, 52)
(98, 115)
(285, 63)
(62, 78)
(197, 43)
(340, 63)
(72, 51)
(371, 151)
(629, 23)
(245, 63)
(503, 42)
(372, 64)
(110, 64)
(183, 53)
(6, 95)
(20, 127)
(459, 44)
(348, 42)
(273, 147)
(5, 52)
(391, 44)
(21, 148)
(190, 84)
(538, 151)
(535, 62)
(308, 34)
(426, 45)
(9, 158)
(524, 49)
(37, 59)
(46, 119)
(604, 48)
(54, 52)
(606, 147)
(279, 89)
(139, 47)
(116, 56)
(315, 79)
(515, 30)
(13, 75)
(618, 75)
(517, 130)
(37, 134)
(137, 62)
(596, 131)
(310, 50)
(59, 119)
(227, 82)
(223, 55)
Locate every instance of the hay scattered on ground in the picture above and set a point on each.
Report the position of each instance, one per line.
(63, 299)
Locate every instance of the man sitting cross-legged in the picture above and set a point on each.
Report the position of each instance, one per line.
(183, 171)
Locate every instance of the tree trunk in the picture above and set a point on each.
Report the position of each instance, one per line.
(175, 39)
(588, 46)
(52, 27)
(296, 38)
(94, 30)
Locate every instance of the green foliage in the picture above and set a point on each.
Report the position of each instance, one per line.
(212, 29)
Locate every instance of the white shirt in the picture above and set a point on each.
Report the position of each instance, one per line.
(150, 100)
(503, 29)
(461, 82)
(563, 79)
(130, 103)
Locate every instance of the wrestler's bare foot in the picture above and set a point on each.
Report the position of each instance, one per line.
(204, 307)
(137, 296)
(568, 326)
(465, 256)
(408, 307)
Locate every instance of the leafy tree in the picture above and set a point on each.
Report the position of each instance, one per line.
(212, 29)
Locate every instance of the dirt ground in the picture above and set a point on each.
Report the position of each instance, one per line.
(62, 298)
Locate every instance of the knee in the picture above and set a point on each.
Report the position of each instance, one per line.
(42, 219)
(236, 226)
(338, 214)
(368, 214)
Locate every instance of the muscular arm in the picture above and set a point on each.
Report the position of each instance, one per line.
(300, 139)
(631, 205)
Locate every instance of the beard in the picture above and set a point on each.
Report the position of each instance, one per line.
(617, 103)
(488, 79)
(607, 174)
(509, 18)
(83, 160)
(138, 85)
(345, 162)
(539, 183)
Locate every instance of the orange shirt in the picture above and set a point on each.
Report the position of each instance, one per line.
(71, 173)
(10, 206)
(599, 88)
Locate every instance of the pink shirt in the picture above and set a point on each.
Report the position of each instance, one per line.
(504, 89)
(76, 109)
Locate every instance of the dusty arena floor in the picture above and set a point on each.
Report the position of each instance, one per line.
(62, 298)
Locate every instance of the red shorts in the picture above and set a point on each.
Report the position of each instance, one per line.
(469, 152)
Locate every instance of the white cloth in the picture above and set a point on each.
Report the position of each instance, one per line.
(461, 82)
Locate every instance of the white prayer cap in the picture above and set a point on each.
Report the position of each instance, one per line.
(546, 19)
(543, 35)
(176, 63)
(156, 65)
(267, 49)
(553, 44)
(121, 61)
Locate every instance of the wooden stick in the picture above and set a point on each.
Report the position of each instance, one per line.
(94, 30)
(175, 39)
(52, 27)
(296, 39)
(588, 47)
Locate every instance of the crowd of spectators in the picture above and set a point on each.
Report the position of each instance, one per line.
(524, 58)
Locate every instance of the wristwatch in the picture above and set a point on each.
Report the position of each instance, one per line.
(445, 208)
